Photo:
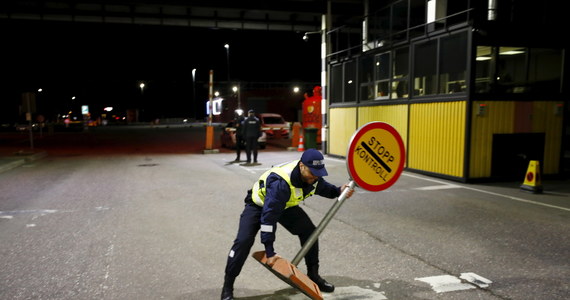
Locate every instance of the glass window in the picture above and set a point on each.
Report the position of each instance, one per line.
(544, 72)
(400, 70)
(453, 64)
(400, 21)
(425, 68)
(511, 70)
(382, 72)
(517, 70)
(483, 71)
(350, 81)
(366, 77)
(336, 84)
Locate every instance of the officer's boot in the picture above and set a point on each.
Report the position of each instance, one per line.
(313, 273)
(228, 289)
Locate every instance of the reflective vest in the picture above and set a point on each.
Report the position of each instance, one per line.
(284, 171)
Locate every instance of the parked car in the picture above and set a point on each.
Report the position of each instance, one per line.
(274, 126)
(228, 137)
(26, 126)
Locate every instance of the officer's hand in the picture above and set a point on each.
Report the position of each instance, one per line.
(349, 193)
(271, 261)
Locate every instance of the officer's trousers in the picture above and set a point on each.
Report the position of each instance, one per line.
(251, 146)
(294, 219)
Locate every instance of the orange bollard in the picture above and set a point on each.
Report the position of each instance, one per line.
(301, 147)
(295, 135)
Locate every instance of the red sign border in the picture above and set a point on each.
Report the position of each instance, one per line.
(350, 155)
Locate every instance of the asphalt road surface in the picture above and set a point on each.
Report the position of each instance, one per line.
(141, 213)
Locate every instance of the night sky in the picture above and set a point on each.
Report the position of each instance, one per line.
(103, 64)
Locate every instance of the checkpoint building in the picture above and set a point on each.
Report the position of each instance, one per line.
(477, 89)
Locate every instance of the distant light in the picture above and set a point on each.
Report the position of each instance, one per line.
(141, 85)
(239, 111)
(350, 81)
(512, 52)
(108, 108)
(73, 98)
(217, 94)
(40, 90)
(227, 46)
(185, 121)
(234, 89)
(482, 58)
(296, 89)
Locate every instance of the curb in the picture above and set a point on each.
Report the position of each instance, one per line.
(20, 158)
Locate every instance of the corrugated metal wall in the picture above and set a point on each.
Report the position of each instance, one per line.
(548, 118)
(395, 115)
(437, 137)
(514, 117)
(341, 127)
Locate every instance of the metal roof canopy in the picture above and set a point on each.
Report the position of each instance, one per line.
(275, 15)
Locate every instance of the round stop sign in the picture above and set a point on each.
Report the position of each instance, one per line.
(375, 156)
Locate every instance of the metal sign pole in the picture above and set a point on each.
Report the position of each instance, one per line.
(324, 222)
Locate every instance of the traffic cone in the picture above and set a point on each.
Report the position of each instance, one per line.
(301, 147)
(532, 182)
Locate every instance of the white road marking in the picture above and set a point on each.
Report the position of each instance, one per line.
(437, 187)
(492, 193)
(341, 293)
(480, 281)
(445, 283)
(29, 211)
(248, 169)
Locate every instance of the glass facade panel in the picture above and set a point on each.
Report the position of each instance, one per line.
(425, 68)
(336, 84)
(544, 72)
(511, 73)
(366, 77)
(400, 71)
(382, 66)
(350, 88)
(382, 72)
(518, 70)
(453, 64)
(483, 71)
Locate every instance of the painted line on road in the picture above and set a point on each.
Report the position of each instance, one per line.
(446, 283)
(340, 293)
(492, 193)
(480, 281)
(437, 187)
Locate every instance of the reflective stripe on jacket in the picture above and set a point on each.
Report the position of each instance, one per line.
(284, 171)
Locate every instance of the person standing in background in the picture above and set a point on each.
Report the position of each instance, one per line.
(238, 123)
(251, 132)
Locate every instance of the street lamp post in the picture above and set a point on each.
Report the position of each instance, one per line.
(237, 91)
(194, 93)
(227, 46)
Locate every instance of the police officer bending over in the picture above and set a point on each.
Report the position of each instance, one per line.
(275, 197)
